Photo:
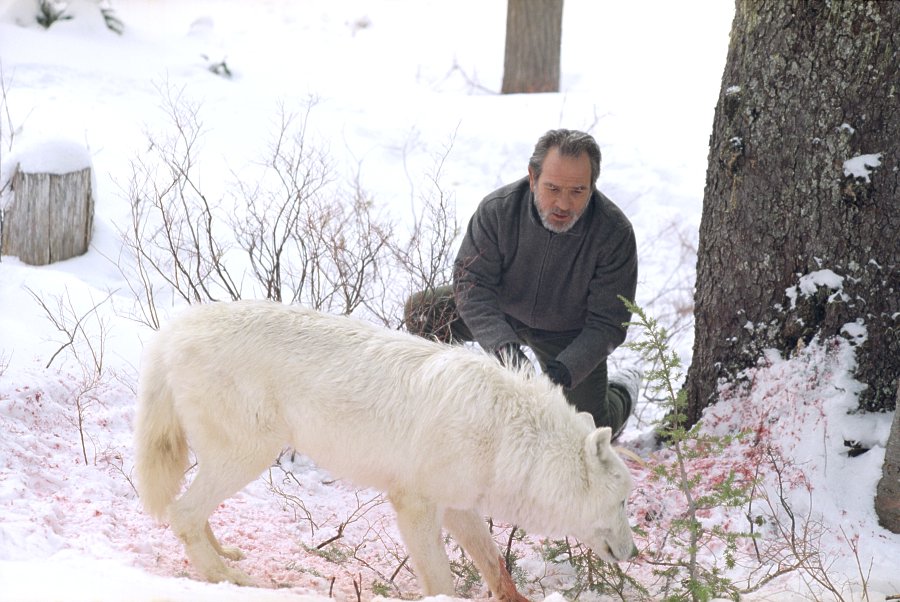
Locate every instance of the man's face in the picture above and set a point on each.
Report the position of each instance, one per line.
(563, 190)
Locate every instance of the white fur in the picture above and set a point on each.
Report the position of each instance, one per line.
(448, 433)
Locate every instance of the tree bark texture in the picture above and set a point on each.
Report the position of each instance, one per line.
(809, 98)
(533, 40)
(49, 218)
(887, 495)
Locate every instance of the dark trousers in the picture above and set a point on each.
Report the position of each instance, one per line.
(432, 314)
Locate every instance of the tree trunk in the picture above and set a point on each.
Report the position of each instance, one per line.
(887, 496)
(49, 218)
(533, 39)
(802, 177)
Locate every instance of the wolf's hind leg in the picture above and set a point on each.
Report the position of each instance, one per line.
(470, 531)
(420, 527)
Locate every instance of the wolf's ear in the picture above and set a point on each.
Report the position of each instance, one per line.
(597, 444)
(587, 419)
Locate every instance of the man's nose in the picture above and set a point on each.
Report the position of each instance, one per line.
(568, 201)
(564, 202)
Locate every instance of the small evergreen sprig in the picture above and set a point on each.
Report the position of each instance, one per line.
(689, 578)
(591, 573)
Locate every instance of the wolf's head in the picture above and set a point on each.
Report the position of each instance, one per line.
(609, 483)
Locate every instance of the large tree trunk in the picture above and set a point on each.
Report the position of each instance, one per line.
(887, 496)
(50, 217)
(803, 177)
(533, 40)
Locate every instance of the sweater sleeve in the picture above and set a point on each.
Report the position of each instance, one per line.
(604, 328)
(477, 274)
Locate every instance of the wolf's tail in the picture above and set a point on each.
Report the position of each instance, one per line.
(161, 452)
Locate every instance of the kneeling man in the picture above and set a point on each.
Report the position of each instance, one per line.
(543, 263)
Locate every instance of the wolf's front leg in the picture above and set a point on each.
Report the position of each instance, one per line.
(470, 531)
(417, 519)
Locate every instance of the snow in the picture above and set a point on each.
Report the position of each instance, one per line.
(809, 284)
(50, 156)
(393, 86)
(860, 166)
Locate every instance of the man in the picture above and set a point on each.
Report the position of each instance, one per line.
(543, 263)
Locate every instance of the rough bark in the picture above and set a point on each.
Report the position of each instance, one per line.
(887, 496)
(49, 218)
(807, 87)
(533, 39)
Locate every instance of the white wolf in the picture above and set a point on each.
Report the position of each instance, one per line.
(446, 431)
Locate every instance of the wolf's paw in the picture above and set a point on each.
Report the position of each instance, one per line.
(230, 575)
(241, 578)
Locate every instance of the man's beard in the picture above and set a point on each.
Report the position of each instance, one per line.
(545, 214)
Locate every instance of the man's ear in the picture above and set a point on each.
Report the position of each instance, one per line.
(532, 181)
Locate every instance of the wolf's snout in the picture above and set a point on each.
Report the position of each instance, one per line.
(619, 551)
(624, 554)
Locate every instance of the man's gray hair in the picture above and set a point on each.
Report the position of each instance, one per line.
(571, 143)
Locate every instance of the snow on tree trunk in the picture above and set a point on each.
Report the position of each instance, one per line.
(799, 232)
(50, 216)
(887, 496)
(533, 41)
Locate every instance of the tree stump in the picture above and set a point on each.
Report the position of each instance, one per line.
(50, 216)
(887, 496)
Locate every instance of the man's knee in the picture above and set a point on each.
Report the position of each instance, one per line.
(414, 316)
(431, 313)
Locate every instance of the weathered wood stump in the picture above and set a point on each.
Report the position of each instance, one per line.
(887, 494)
(50, 216)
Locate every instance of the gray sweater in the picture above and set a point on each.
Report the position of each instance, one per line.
(510, 265)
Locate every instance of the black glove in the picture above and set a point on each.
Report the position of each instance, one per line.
(558, 373)
(512, 356)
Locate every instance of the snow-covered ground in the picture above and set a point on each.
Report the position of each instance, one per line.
(397, 86)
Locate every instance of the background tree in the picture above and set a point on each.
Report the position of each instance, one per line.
(803, 177)
(533, 39)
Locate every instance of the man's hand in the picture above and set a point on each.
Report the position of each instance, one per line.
(512, 356)
(558, 373)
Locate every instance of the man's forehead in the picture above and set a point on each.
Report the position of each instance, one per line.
(569, 170)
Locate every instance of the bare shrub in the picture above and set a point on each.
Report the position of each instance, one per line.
(176, 232)
(87, 348)
(274, 210)
(369, 551)
(425, 258)
(300, 236)
(7, 134)
(792, 542)
(7, 130)
(309, 240)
